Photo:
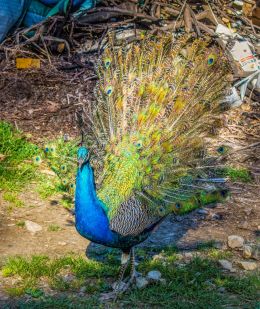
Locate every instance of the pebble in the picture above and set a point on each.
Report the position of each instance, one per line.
(154, 275)
(247, 251)
(62, 243)
(256, 253)
(83, 289)
(248, 265)
(158, 257)
(221, 289)
(188, 255)
(226, 265)
(32, 226)
(141, 282)
(163, 281)
(235, 241)
(203, 211)
(69, 278)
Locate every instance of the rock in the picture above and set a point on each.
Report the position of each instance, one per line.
(141, 282)
(226, 265)
(203, 211)
(218, 245)
(83, 289)
(244, 225)
(188, 255)
(248, 265)
(163, 281)
(178, 256)
(158, 257)
(69, 278)
(221, 289)
(62, 243)
(154, 275)
(235, 241)
(32, 226)
(256, 253)
(247, 251)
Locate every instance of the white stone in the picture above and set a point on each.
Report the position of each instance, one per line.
(141, 282)
(248, 265)
(226, 265)
(235, 241)
(154, 275)
(188, 255)
(32, 226)
(247, 252)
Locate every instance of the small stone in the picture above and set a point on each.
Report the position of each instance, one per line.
(203, 211)
(32, 226)
(235, 241)
(69, 278)
(141, 282)
(256, 253)
(247, 252)
(248, 265)
(154, 275)
(244, 225)
(218, 245)
(83, 289)
(178, 256)
(62, 243)
(188, 255)
(158, 257)
(226, 265)
(163, 281)
(221, 289)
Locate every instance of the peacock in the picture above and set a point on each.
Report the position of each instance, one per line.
(158, 106)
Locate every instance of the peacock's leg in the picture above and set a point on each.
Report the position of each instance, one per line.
(119, 286)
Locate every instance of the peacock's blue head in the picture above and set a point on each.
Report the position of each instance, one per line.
(83, 156)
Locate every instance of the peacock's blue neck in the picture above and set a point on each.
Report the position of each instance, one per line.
(91, 219)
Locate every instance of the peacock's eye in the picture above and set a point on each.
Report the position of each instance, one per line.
(72, 185)
(220, 149)
(109, 90)
(64, 182)
(46, 149)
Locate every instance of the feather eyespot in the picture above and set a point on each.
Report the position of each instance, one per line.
(107, 62)
(139, 144)
(64, 182)
(63, 168)
(37, 159)
(211, 59)
(177, 205)
(109, 90)
(46, 149)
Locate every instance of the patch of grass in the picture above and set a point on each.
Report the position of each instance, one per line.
(37, 267)
(17, 166)
(54, 228)
(20, 224)
(187, 285)
(12, 199)
(237, 174)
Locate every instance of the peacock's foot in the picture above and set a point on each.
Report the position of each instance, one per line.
(119, 288)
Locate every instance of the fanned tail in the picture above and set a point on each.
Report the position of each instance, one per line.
(157, 102)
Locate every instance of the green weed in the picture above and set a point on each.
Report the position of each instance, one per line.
(237, 174)
(54, 228)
